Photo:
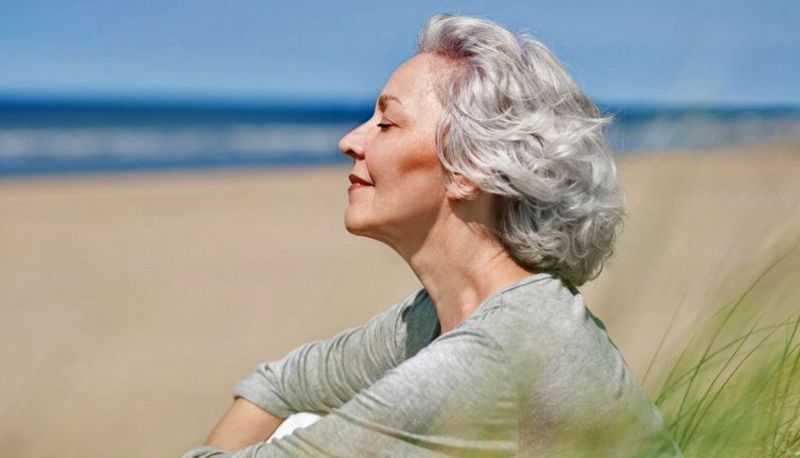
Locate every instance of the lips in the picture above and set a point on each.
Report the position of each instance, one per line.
(355, 179)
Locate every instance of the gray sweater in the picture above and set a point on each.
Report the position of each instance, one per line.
(531, 372)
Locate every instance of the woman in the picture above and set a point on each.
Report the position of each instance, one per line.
(485, 168)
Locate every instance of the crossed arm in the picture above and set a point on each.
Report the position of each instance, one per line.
(451, 397)
(455, 397)
(316, 377)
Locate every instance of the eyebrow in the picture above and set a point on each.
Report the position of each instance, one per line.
(384, 99)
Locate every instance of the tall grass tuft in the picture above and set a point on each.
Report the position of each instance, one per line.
(735, 388)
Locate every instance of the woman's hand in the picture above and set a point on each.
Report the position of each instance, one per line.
(243, 424)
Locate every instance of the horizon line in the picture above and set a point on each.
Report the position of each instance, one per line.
(233, 101)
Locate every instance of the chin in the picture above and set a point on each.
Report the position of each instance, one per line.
(362, 227)
(354, 224)
(352, 229)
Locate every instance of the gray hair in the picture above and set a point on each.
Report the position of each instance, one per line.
(515, 124)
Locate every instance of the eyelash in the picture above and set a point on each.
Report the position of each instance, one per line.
(384, 126)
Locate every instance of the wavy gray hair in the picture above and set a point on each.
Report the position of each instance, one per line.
(515, 123)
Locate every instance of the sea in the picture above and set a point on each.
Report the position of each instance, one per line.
(46, 135)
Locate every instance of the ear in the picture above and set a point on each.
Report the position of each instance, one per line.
(461, 188)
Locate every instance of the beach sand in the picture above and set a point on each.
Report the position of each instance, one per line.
(131, 304)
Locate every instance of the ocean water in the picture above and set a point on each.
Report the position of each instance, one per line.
(44, 136)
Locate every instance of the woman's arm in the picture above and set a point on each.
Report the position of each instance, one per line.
(243, 424)
(455, 397)
(321, 376)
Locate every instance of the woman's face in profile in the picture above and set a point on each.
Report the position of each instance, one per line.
(395, 152)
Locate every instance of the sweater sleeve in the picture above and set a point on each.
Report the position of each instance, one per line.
(320, 376)
(455, 397)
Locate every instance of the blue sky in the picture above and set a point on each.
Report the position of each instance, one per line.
(675, 52)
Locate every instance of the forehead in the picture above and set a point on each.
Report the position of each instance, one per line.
(415, 80)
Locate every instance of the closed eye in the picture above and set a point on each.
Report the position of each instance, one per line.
(384, 126)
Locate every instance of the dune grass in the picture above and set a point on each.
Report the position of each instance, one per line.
(735, 388)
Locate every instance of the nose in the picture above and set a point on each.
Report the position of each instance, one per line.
(353, 143)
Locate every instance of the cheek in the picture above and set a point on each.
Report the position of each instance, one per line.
(411, 165)
(421, 159)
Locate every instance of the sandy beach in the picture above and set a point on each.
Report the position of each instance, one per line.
(131, 304)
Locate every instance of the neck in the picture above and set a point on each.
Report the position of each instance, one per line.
(460, 265)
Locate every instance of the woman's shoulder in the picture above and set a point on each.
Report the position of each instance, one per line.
(562, 356)
(543, 324)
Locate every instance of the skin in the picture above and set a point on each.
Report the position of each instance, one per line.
(441, 236)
